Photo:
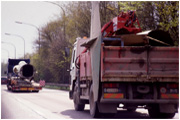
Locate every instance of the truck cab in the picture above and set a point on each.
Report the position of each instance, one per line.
(74, 59)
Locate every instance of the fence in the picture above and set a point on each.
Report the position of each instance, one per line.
(57, 86)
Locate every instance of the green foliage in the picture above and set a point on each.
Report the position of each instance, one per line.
(48, 60)
(156, 15)
(79, 18)
(169, 18)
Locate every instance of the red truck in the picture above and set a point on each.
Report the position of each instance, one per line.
(107, 71)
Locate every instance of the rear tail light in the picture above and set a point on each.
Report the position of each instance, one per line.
(170, 96)
(172, 85)
(113, 95)
(40, 88)
(111, 85)
(15, 88)
(173, 88)
(113, 91)
(169, 91)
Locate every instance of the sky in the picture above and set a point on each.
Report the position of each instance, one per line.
(37, 13)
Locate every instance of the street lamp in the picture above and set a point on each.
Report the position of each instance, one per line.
(13, 46)
(18, 22)
(64, 16)
(20, 37)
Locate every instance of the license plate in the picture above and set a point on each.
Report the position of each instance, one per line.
(30, 88)
(23, 88)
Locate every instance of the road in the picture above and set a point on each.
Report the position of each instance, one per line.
(50, 104)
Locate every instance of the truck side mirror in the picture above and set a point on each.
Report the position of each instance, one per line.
(67, 51)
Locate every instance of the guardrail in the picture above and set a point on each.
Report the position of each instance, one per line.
(57, 86)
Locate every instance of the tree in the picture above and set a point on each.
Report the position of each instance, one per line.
(168, 12)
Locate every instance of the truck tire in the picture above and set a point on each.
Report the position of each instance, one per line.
(12, 86)
(8, 85)
(78, 105)
(154, 112)
(94, 112)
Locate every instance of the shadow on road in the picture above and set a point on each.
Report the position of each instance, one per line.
(19, 91)
(77, 114)
(121, 114)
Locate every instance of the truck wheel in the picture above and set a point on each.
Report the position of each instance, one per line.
(78, 105)
(93, 105)
(154, 112)
(12, 86)
(168, 115)
(8, 85)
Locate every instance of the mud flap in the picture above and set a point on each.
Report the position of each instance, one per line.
(167, 108)
(107, 108)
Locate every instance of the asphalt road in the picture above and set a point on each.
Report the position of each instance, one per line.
(51, 104)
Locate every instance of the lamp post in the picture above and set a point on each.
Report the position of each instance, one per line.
(19, 37)
(18, 22)
(13, 46)
(64, 16)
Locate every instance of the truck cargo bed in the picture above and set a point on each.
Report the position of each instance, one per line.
(139, 63)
